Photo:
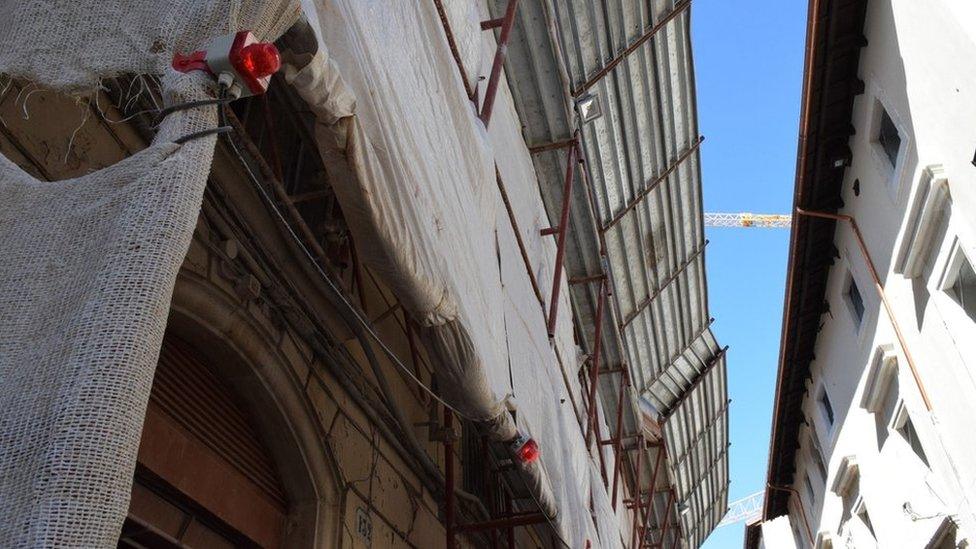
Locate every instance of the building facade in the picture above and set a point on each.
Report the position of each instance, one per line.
(420, 293)
(871, 442)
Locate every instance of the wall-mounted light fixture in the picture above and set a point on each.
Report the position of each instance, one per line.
(589, 107)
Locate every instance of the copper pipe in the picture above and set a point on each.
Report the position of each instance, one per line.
(799, 500)
(881, 293)
(678, 9)
(561, 240)
(496, 65)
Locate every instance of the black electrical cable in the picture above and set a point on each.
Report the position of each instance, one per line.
(202, 133)
(192, 105)
(356, 323)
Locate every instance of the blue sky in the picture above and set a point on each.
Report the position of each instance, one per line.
(749, 64)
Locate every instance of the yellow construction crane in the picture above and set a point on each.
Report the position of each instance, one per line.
(745, 219)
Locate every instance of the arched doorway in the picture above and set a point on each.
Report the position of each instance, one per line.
(204, 476)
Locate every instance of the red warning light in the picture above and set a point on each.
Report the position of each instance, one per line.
(528, 452)
(259, 60)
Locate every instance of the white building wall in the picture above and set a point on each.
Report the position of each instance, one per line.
(919, 66)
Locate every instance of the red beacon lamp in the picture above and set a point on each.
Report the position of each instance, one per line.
(238, 61)
(525, 449)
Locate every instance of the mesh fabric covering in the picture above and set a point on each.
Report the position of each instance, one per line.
(71, 45)
(87, 270)
(87, 266)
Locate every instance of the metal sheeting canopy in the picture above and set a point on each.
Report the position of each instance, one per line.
(640, 204)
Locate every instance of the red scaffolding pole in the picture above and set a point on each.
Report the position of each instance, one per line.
(561, 230)
(624, 384)
(595, 361)
(506, 24)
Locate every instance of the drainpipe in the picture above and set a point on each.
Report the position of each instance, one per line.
(803, 512)
(881, 293)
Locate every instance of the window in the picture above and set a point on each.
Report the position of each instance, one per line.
(861, 511)
(810, 493)
(888, 137)
(961, 284)
(906, 429)
(945, 536)
(855, 301)
(826, 408)
(817, 454)
(846, 485)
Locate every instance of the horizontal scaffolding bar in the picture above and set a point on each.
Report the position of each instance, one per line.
(554, 146)
(678, 9)
(664, 285)
(679, 354)
(694, 385)
(652, 184)
(504, 522)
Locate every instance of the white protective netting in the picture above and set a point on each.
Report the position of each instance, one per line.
(414, 172)
(71, 45)
(87, 270)
(87, 265)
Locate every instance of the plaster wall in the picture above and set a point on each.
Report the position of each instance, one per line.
(918, 68)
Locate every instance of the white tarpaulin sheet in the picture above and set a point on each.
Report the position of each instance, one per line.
(423, 195)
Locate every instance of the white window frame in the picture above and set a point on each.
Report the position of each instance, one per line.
(931, 204)
(893, 176)
(882, 369)
(898, 419)
(857, 509)
(850, 279)
(825, 540)
(847, 473)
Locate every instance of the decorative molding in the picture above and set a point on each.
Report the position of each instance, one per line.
(931, 203)
(824, 540)
(847, 473)
(883, 368)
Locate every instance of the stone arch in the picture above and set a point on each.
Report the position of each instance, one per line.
(244, 351)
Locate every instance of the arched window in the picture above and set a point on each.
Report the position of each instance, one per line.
(204, 476)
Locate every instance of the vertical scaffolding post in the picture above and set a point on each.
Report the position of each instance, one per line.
(650, 500)
(667, 521)
(561, 231)
(510, 531)
(624, 384)
(449, 478)
(637, 495)
(595, 360)
(496, 67)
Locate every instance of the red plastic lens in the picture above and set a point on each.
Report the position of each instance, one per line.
(260, 60)
(529, 452)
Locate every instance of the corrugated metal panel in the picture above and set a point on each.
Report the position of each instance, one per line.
(200, 402)
(645, 184)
